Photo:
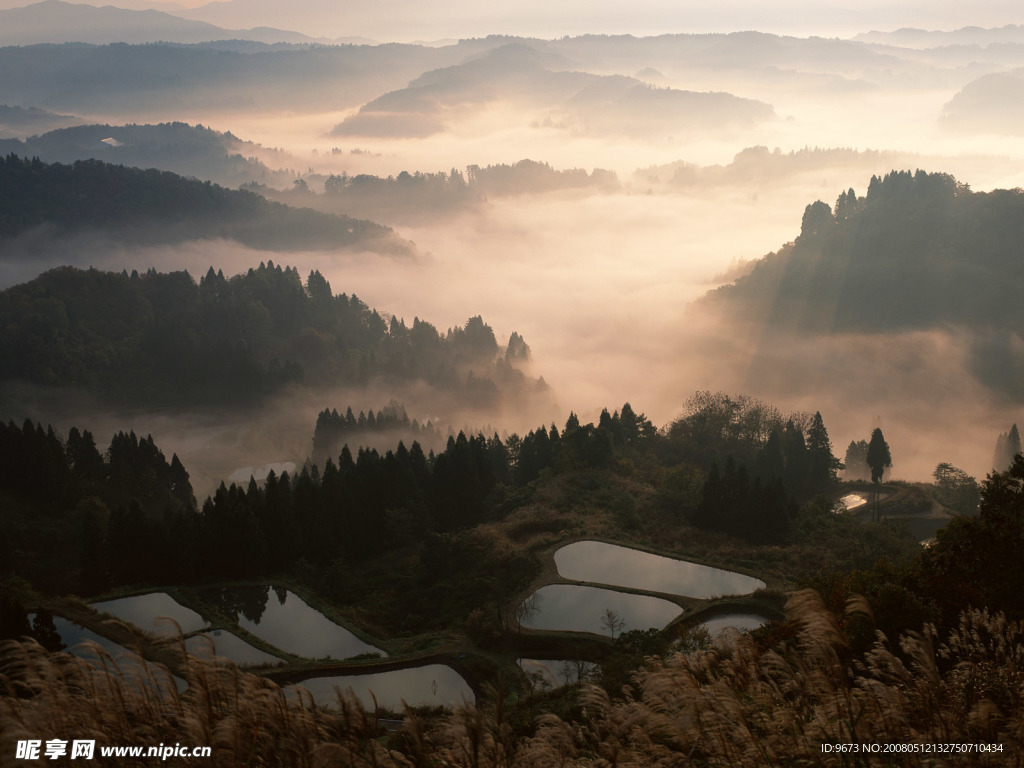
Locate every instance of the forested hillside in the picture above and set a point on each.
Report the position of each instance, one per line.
(919, 250)
(369, 530)
(187, 150)
(149, 206)
(158, 338)
(353, 505)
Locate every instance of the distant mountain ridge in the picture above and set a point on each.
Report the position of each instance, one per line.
(542, 81)
(226, 76)
(589, 83)
(924, 38)
(27, 121)
(993, 103)
(55, 21)
(183, 149)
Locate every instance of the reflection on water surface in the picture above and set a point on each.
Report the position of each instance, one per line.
(226, 645)
(287, 622)
(585, 609)
(148, 612)
(622, 567)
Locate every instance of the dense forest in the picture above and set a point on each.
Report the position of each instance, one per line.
(958, 249)
(359, 503)
(919, 253)
(187, 150)
(730, 466)
(391, 423)
(422, 527)
(149, 206)
(156, 338)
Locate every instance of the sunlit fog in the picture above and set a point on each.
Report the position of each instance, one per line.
(709, 149)
(434, 382)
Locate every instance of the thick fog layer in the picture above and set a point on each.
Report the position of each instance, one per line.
(598, 279)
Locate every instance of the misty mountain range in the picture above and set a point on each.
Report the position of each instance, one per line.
(168, 78)
(224, 159)
(579, 101)
(186, 150)
(703, 115)
(54, 21)
(991, 104)
(230, 161)
(596, 83)
(207, 320)
(21, 121)
(930, 38)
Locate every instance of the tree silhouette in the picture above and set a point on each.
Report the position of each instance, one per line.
(1007, 446)
(817, 218)
(610, 620)
(856, 461)
(822, 465)
(879, 459)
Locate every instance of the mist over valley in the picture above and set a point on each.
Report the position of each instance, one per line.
(381, 316)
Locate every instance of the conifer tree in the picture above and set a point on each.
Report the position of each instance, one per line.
(1007, 446)
(879, 459)
(822, 465)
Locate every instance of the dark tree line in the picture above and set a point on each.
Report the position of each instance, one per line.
(333, 430)
(37, 464)
(525, 176)
(153, 206)
(974, 563)
(1007, 447)
(759, 465)
(61, 500)
(164, 339)
(919, 250)
(752, 508)
(128, 517)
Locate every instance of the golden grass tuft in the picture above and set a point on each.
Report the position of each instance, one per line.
(731, 705)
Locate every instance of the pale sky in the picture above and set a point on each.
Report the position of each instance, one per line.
(406, 20)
